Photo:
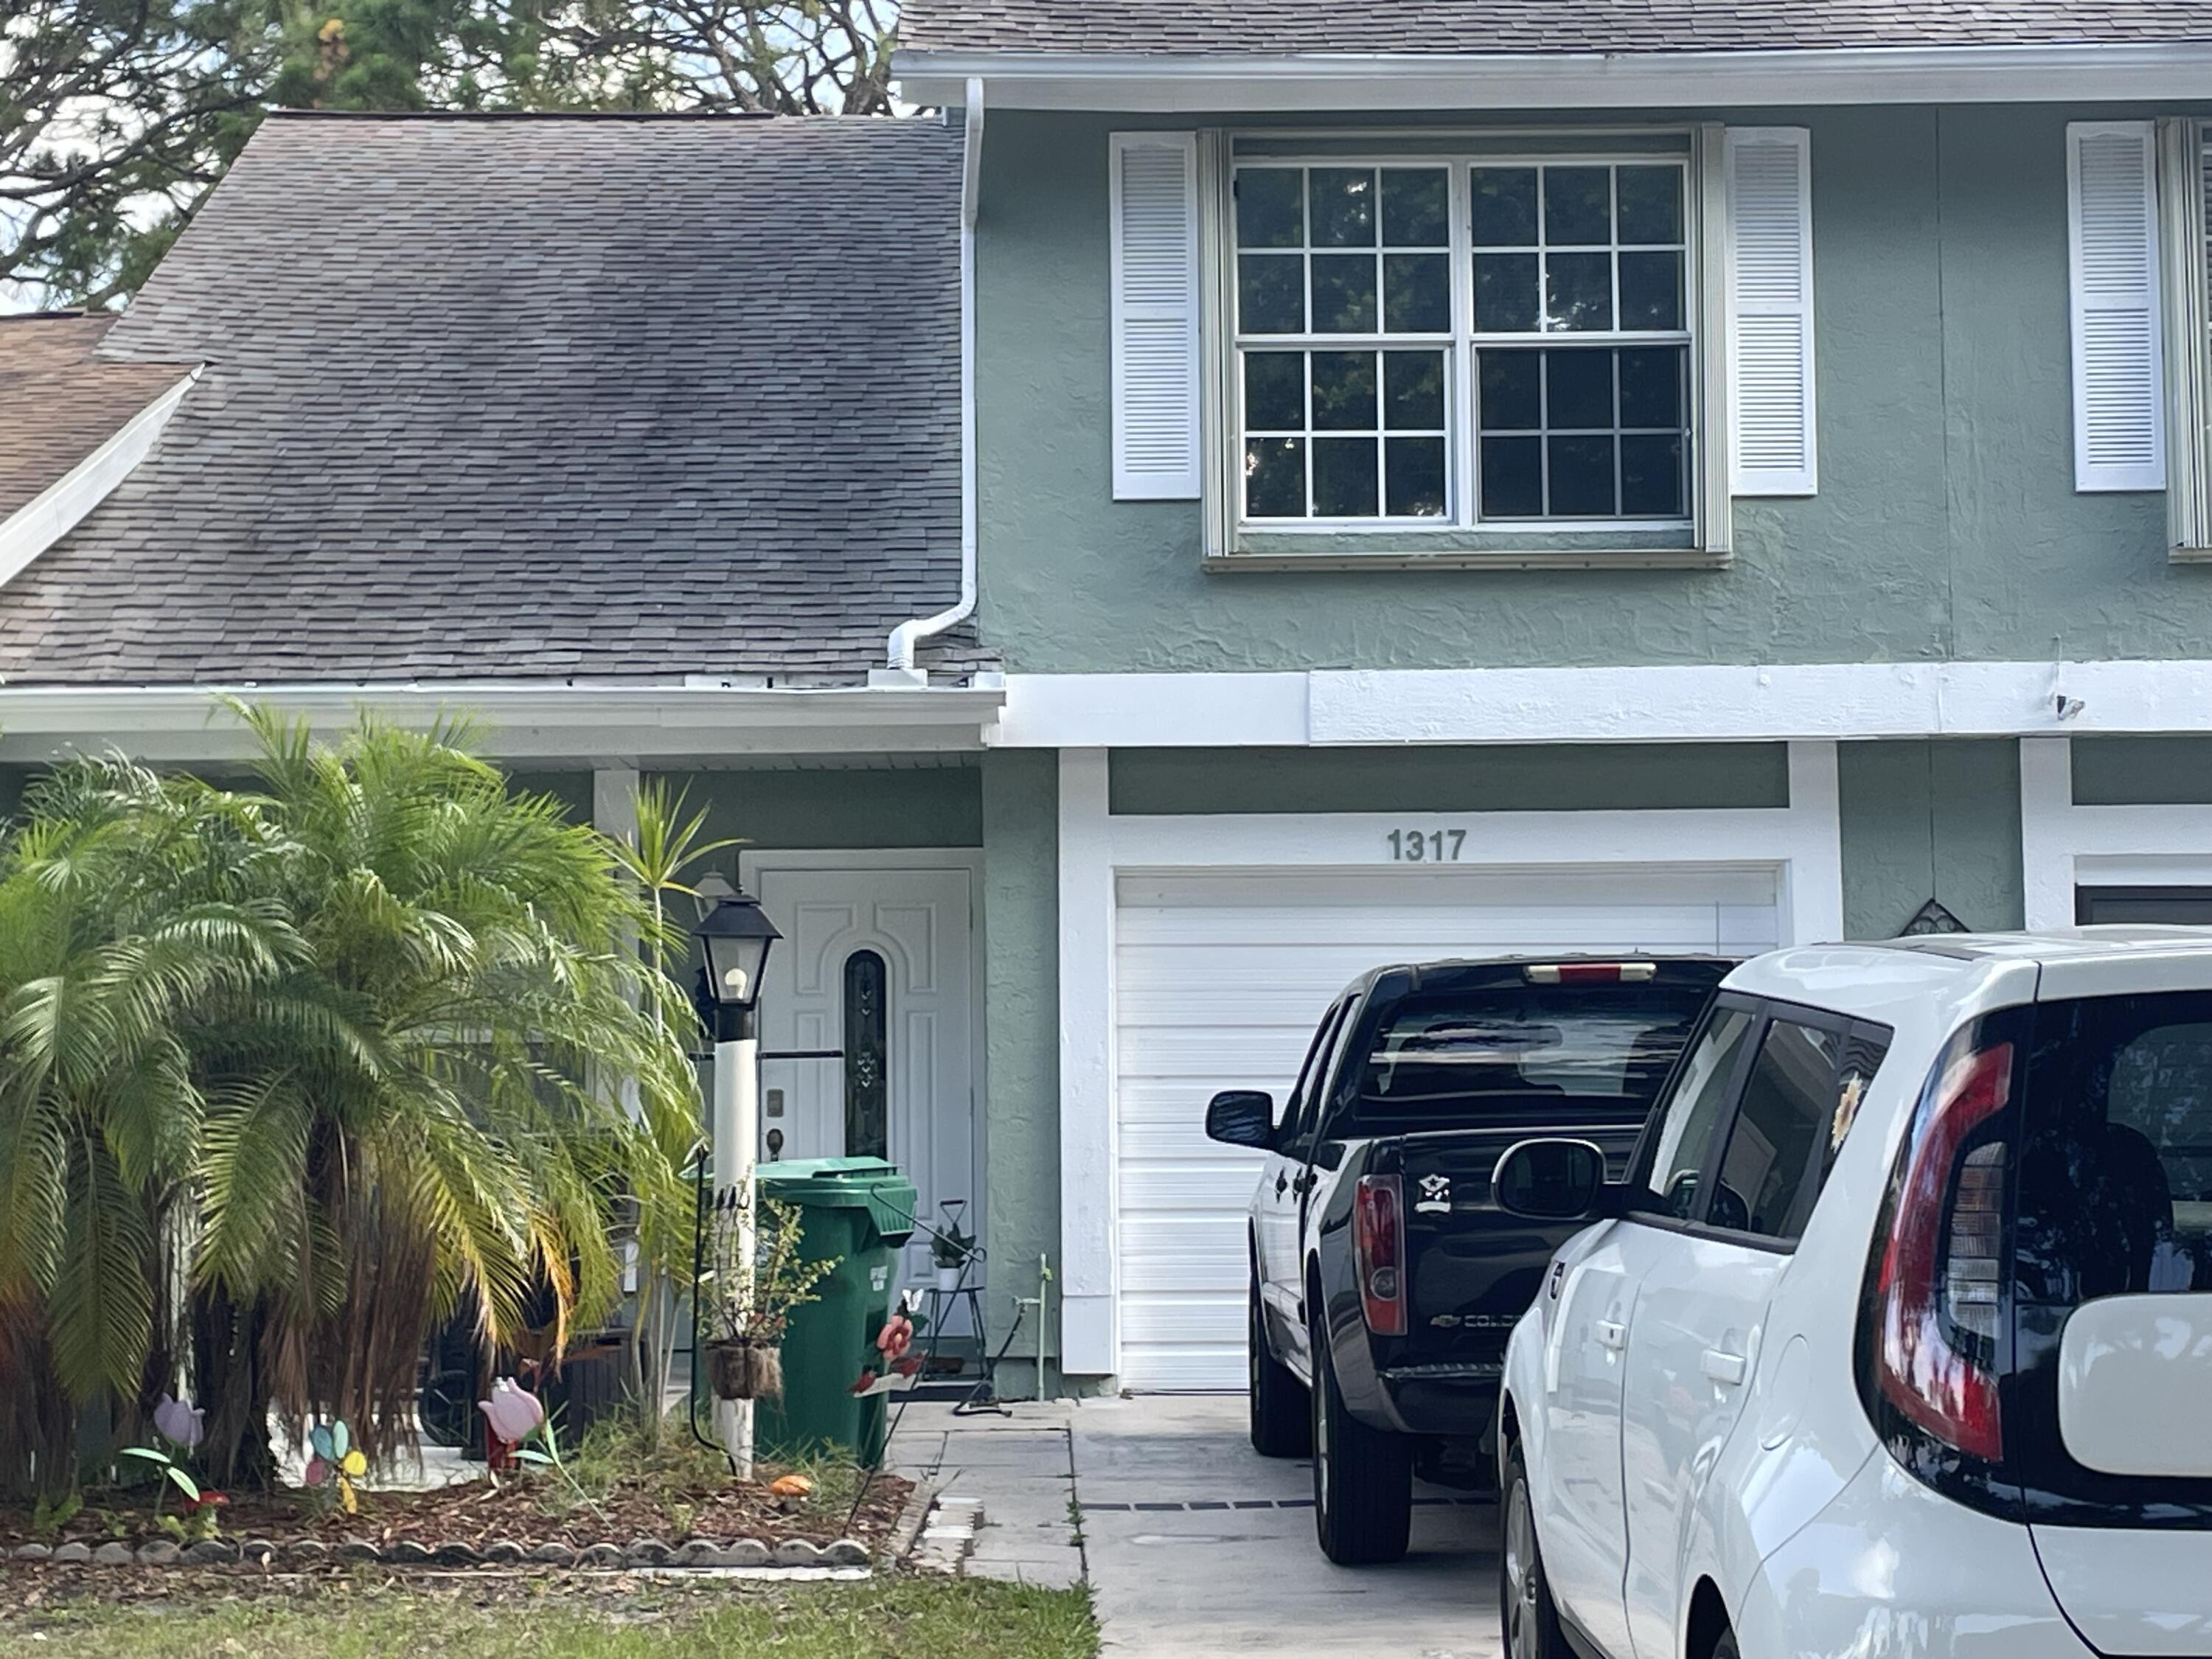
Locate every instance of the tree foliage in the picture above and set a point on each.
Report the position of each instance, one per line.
(116, 116)
(289, 1074)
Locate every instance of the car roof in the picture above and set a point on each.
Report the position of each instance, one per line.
(1874, 979)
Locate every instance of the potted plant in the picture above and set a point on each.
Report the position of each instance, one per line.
(750, 1310)
(952, 1249)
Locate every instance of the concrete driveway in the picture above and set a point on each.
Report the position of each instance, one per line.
(1193, 1546)
(1198, 1547)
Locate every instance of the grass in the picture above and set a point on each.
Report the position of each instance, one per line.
(883, 1618)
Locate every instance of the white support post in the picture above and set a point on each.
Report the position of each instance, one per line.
(1089, 1341)
(1813, 899)
(2046, 841)
(736, 1140)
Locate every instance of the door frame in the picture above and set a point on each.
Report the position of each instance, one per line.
(754, 861)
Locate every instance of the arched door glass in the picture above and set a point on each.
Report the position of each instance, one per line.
(867, 1071)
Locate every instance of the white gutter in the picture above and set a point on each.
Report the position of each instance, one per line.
(2164, 72)
(59, 508)
(907, 634)
(522, 720)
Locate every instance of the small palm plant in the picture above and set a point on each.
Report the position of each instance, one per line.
(301, 1068)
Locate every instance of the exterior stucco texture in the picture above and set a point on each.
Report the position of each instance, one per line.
(1946, 523)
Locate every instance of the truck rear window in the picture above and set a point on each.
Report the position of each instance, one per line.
(1441, 1058)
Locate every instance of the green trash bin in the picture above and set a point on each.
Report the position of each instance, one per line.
(859, 1209)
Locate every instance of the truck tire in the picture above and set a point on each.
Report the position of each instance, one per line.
(1362, 1477)
(1529, 1623)
(1282, 1423)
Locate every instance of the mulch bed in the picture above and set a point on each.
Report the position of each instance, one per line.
(526, 1508)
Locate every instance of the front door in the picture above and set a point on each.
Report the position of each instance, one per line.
(875, 967)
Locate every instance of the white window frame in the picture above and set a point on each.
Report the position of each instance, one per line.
(1704, 336)
(2184, 190)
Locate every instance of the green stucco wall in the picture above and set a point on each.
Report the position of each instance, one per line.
(851, 806)
(1595, 777)
(1923, 820)
(1021, 924)
(2139, 771)
(1946, 523)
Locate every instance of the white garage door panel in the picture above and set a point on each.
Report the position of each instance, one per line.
(1219, 980)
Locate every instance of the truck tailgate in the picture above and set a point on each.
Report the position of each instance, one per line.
(1474, 1268)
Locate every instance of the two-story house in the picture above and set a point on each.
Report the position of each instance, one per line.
(1250, 493)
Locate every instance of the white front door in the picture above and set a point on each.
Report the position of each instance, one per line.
(876, 967)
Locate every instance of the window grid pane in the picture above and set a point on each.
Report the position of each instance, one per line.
(1344, 392)
(1343, 268)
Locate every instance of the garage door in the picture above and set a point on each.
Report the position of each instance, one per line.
(1219, 980)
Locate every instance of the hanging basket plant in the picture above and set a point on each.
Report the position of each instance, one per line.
(751, 1305)
(741, 1369)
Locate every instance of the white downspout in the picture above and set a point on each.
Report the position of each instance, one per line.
(907, 634)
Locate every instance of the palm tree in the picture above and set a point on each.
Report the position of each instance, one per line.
(330, 1055)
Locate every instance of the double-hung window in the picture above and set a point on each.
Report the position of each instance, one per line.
(1465, 342)
(1567, 348)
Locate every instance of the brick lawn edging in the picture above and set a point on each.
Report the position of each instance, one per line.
(639, 1552)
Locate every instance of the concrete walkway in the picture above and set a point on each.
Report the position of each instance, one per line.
(1195, 1547)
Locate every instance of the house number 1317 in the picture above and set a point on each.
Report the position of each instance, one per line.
(1426, 846)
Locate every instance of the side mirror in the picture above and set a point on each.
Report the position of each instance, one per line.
(1550, 1180)
(1242, 1117)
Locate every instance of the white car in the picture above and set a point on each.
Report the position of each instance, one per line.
(1897, 1340)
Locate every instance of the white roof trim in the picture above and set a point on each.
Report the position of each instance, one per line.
(523, 721)
(59, 508)
(1717, 703)
(2163, 71)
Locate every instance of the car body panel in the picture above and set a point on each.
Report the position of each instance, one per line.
(2130, 1591)
(1890, 1569)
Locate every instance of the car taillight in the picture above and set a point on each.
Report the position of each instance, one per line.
(1378, 1251)
(1590, 973)
(1937, 1299)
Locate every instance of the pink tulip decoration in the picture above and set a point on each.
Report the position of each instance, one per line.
(179, 1422)
(512, 1414)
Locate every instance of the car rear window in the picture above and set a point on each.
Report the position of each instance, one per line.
(2116, 1187)
(2113, 1198)
(1459, 1055)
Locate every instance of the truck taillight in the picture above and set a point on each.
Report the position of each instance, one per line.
(1590, 973)
(1936, 1300)
(1378, 1250)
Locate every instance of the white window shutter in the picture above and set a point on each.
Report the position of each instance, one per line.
(1154, 187)
(1770, 299)
(2119, 390)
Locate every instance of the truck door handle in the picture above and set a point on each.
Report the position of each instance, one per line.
(1612, 1333)
(1726, 1368)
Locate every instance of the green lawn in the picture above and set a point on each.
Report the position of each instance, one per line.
(909, 1617)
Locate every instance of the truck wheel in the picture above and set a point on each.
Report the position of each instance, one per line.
(1362, 1477)
(1530, 1622)
(1281, 1425)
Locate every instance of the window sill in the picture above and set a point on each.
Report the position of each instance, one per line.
(2189, 555)
(1400, 555)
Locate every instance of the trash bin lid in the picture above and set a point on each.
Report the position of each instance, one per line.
(845, 1183)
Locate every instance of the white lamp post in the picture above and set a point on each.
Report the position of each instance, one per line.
(735, 937)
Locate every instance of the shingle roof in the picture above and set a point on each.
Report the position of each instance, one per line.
(553, 398)
(59, 403)
(1285, 27)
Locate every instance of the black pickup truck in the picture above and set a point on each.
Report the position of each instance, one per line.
(1385, 1282)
